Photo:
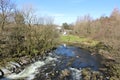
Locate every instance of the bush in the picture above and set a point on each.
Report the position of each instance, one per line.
(22, 41)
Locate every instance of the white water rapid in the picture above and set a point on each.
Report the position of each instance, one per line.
(30, 71)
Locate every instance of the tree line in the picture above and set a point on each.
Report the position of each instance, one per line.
(105, 29)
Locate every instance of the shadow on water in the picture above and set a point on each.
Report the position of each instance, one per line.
(78, 58)
(3, 78)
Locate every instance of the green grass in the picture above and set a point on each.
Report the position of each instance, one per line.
(76, 39)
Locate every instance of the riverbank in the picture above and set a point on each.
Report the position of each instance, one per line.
(17, 65)
(111, 64)
(22, 67)
(99, 50)
(69, 62)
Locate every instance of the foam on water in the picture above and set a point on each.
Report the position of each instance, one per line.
(13, 63)
(30, 71)
(76, 73)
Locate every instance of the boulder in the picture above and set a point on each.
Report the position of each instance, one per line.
(24, 60)
(1, 74)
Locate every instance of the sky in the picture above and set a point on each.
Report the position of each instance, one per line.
(68, 10)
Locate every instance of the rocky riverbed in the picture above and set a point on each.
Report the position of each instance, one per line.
(64, 63)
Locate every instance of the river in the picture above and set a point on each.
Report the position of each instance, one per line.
(63, 60)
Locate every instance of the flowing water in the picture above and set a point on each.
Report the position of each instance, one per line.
(64, 57)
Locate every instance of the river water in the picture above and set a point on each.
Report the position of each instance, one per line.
(62, 59)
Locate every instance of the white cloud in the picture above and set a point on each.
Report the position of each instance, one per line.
(59, 18)
(69, 19)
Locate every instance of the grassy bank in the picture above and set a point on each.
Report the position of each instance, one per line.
(76, 39)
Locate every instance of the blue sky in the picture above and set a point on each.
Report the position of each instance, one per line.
(68, 10)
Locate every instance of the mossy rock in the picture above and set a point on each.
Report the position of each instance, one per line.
(86, 73)
(114, 78)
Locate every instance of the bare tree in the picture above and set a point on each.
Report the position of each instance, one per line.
(29, 15)
(19, 18)
(83, 25)
(49, 20)
(6, 7)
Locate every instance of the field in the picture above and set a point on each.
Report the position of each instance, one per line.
(77, 39)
